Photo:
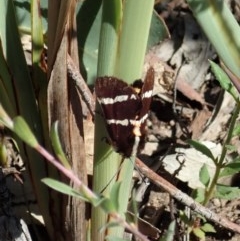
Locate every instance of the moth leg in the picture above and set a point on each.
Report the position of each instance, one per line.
(107, 140)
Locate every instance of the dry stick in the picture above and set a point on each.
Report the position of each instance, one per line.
(185, 199)
(75, 75)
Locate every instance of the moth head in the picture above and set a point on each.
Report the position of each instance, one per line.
(137, 86)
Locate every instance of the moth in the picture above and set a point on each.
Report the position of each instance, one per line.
(125, 109)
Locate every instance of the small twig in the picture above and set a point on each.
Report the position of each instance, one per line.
(12, 171)
(185, 199)
(9, 170)
(75, 75)
(175, 91)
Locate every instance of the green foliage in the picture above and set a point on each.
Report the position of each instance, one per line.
(111, 204)
(108, 204)
(133, 207)
(31, 89)
(231, 168)
(21, 128)
(169, 235)
(89, 24)
(201, 231)
(227, 192)
(198, 232)
(3, 153)
(197, 226)
(5, 120)
(204, 175)
(236, 131)
(207, 227)
(57, 147)
(184, 218)
(230, 147)
(221, 28)
(202, 148)
(199, 194)
(224, 80)
(212, 188)
(114, 196)
(63, 188)
(23, 13)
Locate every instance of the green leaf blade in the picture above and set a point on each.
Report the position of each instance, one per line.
(57, 147)
(198, 194)
(227, 192)
(199, 233)
(208, 228)
(224, 80)
(63, 188)
(22, 129)
(230, 169)
(202, 148)
(204, 175)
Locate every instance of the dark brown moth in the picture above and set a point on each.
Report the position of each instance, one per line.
(125, 108)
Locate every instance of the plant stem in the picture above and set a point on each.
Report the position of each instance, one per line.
(121, 53)
(220, 163)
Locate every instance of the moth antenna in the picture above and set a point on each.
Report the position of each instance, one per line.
(115, 175)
